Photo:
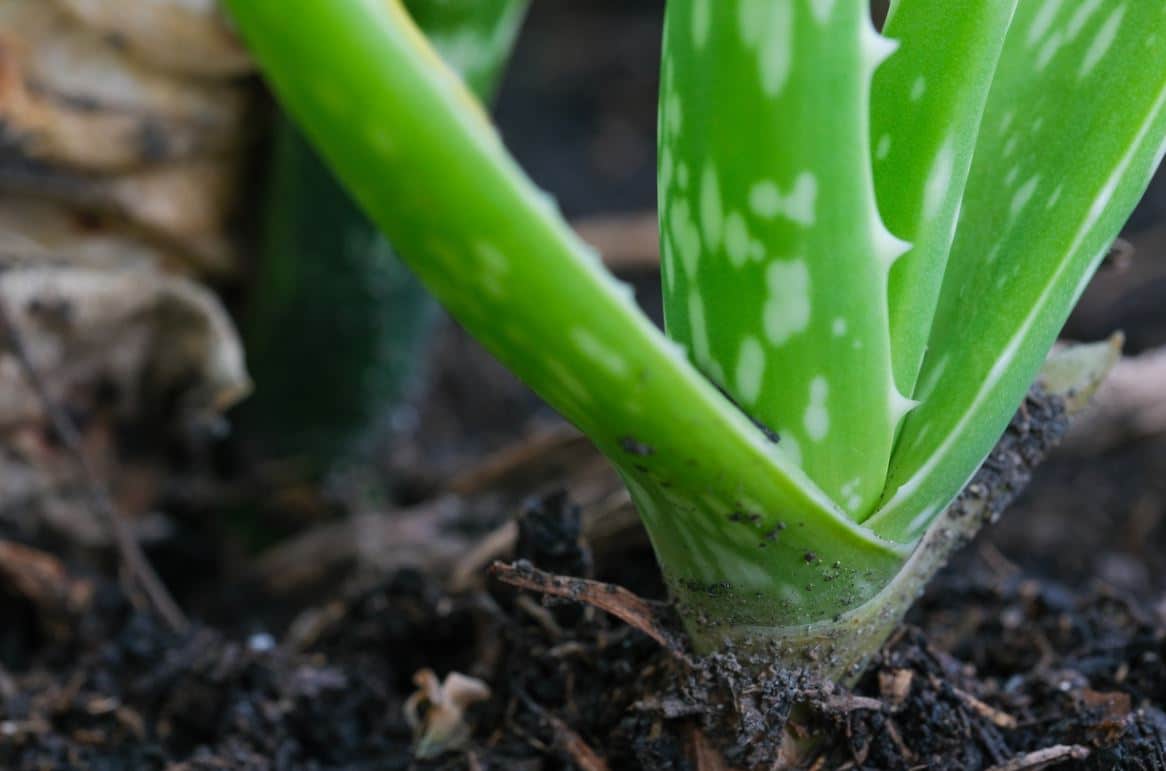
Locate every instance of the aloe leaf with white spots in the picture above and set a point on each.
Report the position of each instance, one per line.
(1031, 134)
(723, 505)
(928, 103)
(1072, 133)
(775, 255)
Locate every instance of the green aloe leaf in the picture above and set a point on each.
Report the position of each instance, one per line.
(736, 524)
(776, 259)
(1073, 131)
(928, 103)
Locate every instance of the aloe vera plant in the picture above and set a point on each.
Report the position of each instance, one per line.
(870, 241)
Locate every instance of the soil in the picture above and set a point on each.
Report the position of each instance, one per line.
(993, 666)
(1041, 645)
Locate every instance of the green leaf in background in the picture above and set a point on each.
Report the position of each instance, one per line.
(928, 103)
(1072, 133)
(338, 326)
(775, 256)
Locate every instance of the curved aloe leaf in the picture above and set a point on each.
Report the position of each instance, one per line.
(1073, 131)
(928, 102)
(739, 528)
(775, 256)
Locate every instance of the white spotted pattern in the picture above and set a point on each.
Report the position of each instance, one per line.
(711, 215)
(939, 180)
(1102, 42)
(767, 201)
(750, 370)
(817, 418)
(701, 22)
(787, 309)
(1024, 195)
(822, 10)
(593, 348)
(737, 239)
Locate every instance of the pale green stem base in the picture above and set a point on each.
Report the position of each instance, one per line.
(839, 649)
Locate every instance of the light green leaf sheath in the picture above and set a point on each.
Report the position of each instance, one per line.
(1073, 131)
(926, 110)
(739, 529)
(775, 256)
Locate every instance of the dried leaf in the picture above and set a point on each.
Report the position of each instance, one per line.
(184, 36)
(71, 97)
(183, 206)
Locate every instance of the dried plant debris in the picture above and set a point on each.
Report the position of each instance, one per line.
(87, 124)
(133, 345)
(181, 209)
(46, 234)
(184, 36)
(150, 335)
(437, 711)
(70, 97)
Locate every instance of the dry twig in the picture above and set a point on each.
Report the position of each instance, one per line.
(619, 602)
(1031, 761)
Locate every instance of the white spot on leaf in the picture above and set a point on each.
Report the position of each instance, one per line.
(593, 348)
(767, 201)
(817, 417)
(918, 88)
(939, 180)
(750, 370)
(1102, 42)
(822, 10)
(699, 328)
(711, 215)
(1043, 21)
(776, 55)
(1024, 195)
(737, 239)
(685, 235)
(700, 22)
(1085, 11)
(787, 310)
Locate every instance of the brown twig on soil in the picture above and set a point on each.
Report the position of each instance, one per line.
(1031, 761)
(998, 718)
(138, 569)
(567, 741)
(619, 602)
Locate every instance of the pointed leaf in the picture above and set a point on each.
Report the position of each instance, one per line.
(775, 257)
(928, 101)
(1074, 129)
